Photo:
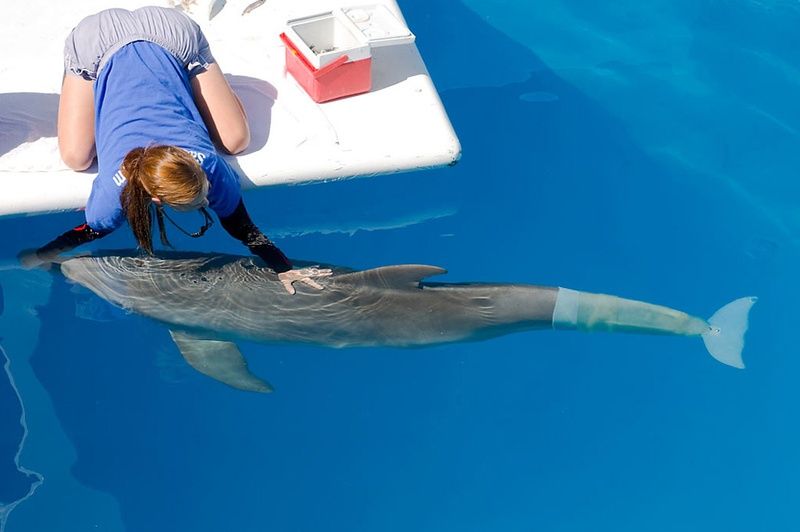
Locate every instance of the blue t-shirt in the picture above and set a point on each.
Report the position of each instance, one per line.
(143, 98)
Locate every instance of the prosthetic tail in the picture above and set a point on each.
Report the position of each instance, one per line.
(723, 333)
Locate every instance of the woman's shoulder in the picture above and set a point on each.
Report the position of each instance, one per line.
(211, 161)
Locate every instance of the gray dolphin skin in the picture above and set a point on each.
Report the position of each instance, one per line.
(210, 301)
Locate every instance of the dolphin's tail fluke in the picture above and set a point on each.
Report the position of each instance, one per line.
(723, 333)
(725, 339)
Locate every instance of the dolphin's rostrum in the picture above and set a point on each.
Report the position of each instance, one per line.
(210, 301)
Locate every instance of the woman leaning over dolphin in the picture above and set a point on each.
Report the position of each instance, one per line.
(143, 93)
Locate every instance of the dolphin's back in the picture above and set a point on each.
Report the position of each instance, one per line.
(398, 277)
(234, 297)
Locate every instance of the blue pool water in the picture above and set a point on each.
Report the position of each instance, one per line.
(645, 149)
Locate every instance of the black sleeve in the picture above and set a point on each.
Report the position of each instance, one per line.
(69, 240)
(241, 227)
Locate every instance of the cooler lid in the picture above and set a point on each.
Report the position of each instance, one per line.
(379, 25)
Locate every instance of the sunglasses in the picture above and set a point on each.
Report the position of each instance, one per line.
(208, 221)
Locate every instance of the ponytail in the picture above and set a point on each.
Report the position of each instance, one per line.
(136, 200)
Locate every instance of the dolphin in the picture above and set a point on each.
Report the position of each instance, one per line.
(210, 301)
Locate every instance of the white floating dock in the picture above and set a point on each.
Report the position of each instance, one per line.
(400, 125)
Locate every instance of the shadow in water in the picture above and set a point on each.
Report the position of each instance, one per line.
(112, 367)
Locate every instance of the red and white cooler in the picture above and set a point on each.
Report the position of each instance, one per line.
(330, 54)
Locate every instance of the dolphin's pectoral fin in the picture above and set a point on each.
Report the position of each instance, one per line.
(393, 276)
(219, 360)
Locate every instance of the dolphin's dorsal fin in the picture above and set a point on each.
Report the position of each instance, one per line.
(400, 276)
(219, 360)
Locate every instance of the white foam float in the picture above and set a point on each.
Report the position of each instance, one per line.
(400, 125)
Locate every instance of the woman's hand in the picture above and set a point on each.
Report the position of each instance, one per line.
(304, 275)
(30, 259)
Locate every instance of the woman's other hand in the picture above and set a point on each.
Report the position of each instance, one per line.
(30, 259)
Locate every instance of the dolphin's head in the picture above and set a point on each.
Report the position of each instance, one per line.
(105, 276)
(176, 280)
(118, 275)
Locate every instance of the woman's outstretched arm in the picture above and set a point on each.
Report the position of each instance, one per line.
(73, 238)
(239, 225)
